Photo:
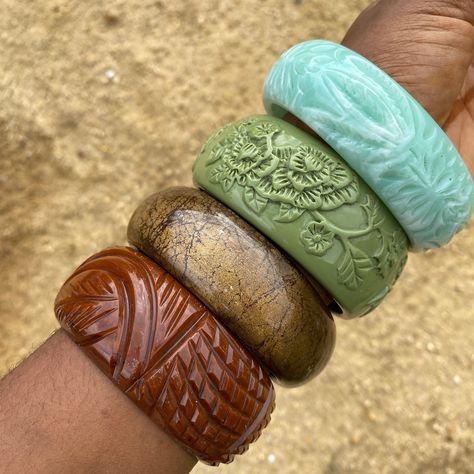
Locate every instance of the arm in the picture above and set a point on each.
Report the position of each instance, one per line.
(59, 413)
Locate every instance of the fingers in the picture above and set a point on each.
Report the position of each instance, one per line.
(456, 9)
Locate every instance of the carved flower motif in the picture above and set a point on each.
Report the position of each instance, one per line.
(307, 168)
(317, 238)
(245, 163)
(267, 160)
(263, 130)
(244, 158)
(309, 179)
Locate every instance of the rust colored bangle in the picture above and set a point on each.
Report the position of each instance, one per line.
(167, 352)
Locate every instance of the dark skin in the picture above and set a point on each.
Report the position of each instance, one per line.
(59, 414)
(427, 47)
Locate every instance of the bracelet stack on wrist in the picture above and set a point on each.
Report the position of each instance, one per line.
(221, 293)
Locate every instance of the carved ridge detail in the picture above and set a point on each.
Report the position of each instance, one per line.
(167, 352)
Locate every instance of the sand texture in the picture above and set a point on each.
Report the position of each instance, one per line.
(104, 103)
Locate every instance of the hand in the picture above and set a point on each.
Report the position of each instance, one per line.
(427, 46)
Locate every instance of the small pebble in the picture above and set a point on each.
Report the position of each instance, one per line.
(110, 74)
(271, 458)
(437, 427)
(449, 433)
(371, 415)
(356, 437)
(457, 380)
(111, 18)
(430, 347)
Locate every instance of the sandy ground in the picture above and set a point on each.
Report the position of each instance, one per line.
(103, 103)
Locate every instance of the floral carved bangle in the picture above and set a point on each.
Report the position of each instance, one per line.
(167, 352)
(248, 283)
(302, 195)
(381, 131)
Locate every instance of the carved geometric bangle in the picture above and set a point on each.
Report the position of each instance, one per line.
(167, 352)
(381, 131)
(248, 283)
(302, 196)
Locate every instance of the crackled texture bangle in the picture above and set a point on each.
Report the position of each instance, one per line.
(381, 132)
(241, 277)
(301, 194)
(167, 352)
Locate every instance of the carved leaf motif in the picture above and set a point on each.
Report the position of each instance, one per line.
(284, 153)
(345, 134)
(333, 198)
(394, 101)
(288, 213)
(309, 199)
(338, 175)
(297, 161)
(221, 175)
(215, 174)
(227, 183)
(94, 289)
(372, 209)
(303, 180)
(89, 300)
(173, 358)
(253, 200)
(365, 107)
(391, 253)
(280, 179)
(351, 267)
(215, 155)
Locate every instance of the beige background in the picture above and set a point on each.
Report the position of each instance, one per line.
(103, 103)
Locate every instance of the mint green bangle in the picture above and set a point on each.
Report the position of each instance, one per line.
(301, 195)
(381, 131)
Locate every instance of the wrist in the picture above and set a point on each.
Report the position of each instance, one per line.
(60, 412)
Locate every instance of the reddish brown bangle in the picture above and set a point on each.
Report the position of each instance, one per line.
(167, 352)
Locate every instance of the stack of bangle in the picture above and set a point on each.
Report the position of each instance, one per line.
(233, 285)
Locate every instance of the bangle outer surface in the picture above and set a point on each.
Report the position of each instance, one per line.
(304, 197)
(381, 131)
(241, 277)
(167, 353)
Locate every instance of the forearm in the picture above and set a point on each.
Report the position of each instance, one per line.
(59, 413)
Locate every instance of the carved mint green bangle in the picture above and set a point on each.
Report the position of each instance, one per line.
(381, 132)
(302, 195)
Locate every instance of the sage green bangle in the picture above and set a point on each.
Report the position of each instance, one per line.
(301, 195)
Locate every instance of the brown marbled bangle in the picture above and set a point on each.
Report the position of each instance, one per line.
(167, 352)
(241, 276)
